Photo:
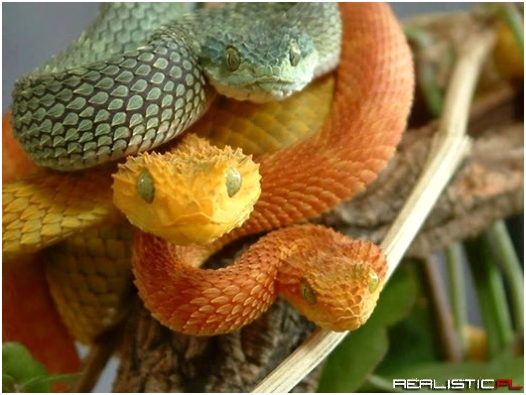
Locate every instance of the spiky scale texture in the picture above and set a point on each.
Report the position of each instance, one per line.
(210, 302)
(373, 96)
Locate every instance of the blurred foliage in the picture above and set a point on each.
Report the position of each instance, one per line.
(23, 373)
(401, 339)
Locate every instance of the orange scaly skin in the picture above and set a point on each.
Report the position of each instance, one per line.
(29, 314)
(372, 99)
(210, 302)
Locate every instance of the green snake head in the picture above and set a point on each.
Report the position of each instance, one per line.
(261, 67)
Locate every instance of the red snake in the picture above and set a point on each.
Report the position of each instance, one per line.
(331, 279)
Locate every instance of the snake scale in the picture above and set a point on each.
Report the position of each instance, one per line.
(104, 98)
(373, 94)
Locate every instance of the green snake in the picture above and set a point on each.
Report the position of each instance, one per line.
(140, 75)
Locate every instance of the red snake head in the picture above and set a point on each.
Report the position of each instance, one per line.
(334, 282)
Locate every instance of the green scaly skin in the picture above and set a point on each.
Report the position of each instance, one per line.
(128, 85)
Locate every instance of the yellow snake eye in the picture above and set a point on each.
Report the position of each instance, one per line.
(233, 181)
(307, 292)
(145, 186)
(295, 53)
(232, 59)
(374, 281)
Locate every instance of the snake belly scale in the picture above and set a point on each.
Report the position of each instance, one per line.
(81, 110)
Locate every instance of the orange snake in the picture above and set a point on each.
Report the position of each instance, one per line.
(372, 99)
(342, 278)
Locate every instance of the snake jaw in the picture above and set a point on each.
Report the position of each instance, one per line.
(192, 195)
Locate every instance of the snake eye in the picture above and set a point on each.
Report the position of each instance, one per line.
(145, 186)
(294, 53)
(233, 181)
(307, 292)
(232, 59)
(373, 281)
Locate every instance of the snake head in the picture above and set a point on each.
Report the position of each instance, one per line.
(336, 284)
(194, 194)
(262, 67)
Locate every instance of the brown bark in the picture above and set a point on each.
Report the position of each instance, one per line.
(155, 359)
(489, 186)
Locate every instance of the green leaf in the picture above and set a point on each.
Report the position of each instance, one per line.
(358, 355)
(411, 340)
(23, 371)
(397, 299)
(8, 383)
(491, 293)
(353, 360)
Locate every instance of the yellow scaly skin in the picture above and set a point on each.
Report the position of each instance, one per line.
(76, 279)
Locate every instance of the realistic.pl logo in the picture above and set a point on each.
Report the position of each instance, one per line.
(454, 384)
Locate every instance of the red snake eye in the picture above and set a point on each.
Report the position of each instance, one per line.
(307, 292)
(373, 281)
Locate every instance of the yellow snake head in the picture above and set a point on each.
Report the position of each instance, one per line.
(268, 66)
(194, 194)
(335, 285)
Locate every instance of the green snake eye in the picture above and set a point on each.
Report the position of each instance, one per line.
(232, 59)
(145, 186)
(233, 181)
(307, 292)
(374, 281)
(295, 53)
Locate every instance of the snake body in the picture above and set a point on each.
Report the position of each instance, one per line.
(98, 101)
(373, 94)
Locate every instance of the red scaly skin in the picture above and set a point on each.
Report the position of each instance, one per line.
(373, 95)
